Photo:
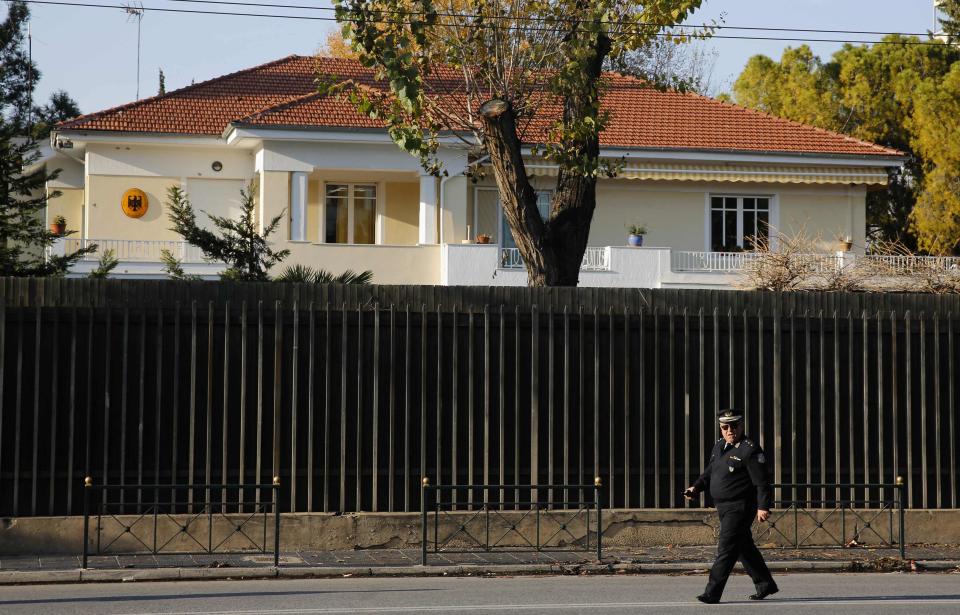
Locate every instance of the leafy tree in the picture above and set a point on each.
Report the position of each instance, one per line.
(237, 243)
(866, 92)
(24, 235)
(107, 263)
(336, 47)
(60, 108)
(482, 70)
(174, 268)
(935, 125)
(950, 18)
(799, 87)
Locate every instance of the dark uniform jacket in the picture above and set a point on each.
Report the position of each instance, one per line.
(737, 473)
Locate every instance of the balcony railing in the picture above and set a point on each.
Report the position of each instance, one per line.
(594, 259)
(138, 250)
(711, 261)
(732, 262)
(903, 264)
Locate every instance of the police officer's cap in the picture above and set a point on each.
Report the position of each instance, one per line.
(730, 416)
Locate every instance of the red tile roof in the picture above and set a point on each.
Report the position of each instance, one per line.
(283, 94)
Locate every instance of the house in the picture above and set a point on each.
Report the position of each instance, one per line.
(704, 176)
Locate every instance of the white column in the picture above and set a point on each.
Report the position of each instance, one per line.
(428, 209)
(298, 206)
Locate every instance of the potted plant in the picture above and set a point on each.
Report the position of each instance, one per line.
(846, 243)
(635, 233)
(483, 238)
(58, 226)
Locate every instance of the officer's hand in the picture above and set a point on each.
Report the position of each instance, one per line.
(690, 493)
(763, 515)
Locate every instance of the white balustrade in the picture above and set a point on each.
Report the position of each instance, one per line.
(594, 259)
(904, 264)
(138, 249)
(711, 261)
(732, 262)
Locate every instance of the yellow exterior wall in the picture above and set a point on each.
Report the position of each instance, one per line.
(455, 214)
(105, 219)
(675, 212)
(69, 205)
(314, 209)
(401, 212)
(825, 219)
(220, 197)
(389, 264)
(274, 201)
(674, 216)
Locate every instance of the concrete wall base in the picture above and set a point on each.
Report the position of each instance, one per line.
(331, 531)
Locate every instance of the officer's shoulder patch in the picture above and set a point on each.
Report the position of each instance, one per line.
(748, 441)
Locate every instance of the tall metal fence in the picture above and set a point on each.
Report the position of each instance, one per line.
(351, 402)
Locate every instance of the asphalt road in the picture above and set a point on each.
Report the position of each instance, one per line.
(801, 593)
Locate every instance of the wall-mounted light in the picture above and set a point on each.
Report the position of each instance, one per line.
(217, 166)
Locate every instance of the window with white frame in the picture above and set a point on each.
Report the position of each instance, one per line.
(737, 222)
(350, 213)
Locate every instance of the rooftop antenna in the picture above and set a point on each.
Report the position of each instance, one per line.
(134, 10)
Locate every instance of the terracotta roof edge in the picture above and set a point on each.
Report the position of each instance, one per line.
(887, 150)
(80, 119)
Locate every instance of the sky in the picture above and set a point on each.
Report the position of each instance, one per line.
(92, 52)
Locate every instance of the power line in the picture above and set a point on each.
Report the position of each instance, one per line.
(699, 26)
(333, 19)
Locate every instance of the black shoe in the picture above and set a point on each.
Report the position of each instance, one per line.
(760, 595)
(706, 599)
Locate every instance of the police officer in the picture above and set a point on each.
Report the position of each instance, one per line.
(737, 477)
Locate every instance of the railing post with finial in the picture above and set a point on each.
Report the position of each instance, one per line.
(902, 487)
(597, 483)
(87, 487)
(424, 485)
(276, 521)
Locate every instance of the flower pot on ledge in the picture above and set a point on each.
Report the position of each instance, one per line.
(58, 229)
(635, 240)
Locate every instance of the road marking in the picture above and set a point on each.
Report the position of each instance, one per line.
(467, 608)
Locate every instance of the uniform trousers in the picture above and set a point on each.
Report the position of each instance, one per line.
(736, 543)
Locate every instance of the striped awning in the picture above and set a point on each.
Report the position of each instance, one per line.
(739, 173)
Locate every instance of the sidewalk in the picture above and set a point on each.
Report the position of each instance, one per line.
(406, 562)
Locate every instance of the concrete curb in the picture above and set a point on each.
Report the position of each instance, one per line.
(196, 574)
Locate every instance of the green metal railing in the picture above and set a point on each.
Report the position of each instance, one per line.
(210, 518)
(850, 514)
(488, 525)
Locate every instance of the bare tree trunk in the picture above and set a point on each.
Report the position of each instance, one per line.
(552, 250)
(517, 196)
(575, 198)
